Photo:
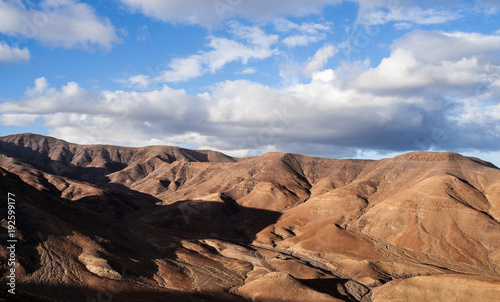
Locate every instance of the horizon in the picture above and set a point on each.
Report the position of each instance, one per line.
(331, 78)
(348, 158)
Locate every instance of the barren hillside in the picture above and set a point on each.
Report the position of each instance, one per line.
(170, 224)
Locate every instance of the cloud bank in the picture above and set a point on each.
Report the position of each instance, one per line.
(412, 100)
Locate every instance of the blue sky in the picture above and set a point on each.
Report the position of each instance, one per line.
(334, 78)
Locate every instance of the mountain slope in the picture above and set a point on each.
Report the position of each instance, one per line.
(202, 225)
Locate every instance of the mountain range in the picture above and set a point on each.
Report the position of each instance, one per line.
(158, 223)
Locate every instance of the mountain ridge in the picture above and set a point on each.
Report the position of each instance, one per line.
(207, 226)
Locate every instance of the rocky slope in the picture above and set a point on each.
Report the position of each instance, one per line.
(157, 223)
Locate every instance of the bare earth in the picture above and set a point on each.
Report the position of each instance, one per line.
(108, 223)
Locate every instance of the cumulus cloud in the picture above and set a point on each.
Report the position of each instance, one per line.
(439, 46)
(40, 87)
(67, 23)
(13, 54)
(435, 64)
(233, 116)
(182, 69)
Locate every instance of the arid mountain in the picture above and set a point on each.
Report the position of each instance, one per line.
(107, 223)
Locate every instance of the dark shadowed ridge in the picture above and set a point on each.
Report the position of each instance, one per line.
(57, 149)
(94, 162)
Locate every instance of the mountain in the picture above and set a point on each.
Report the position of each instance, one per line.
(108, 223)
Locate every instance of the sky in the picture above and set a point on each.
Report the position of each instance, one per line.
(329, 78)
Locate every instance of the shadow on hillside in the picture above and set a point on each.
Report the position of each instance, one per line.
(119, 201)
(483, 163)
(61, 166)
(211, 219)
(128, 293)
(130, 246)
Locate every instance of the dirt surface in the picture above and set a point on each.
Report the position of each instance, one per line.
(108, 223)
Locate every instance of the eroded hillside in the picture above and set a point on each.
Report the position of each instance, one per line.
(157, 223)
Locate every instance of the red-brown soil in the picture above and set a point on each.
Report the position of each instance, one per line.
(108, 223)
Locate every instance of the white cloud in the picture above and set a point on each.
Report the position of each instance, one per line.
(67, 23)
(459, 71)
(13, 54)
(248, 70)
(44, 99)
(403, 72)
(434, 64)
(378, 12)
(319, 60)
(492, 7)
(19, 120)
(284, 25)
(439, 46)
(41, 85)
(304, 33)
(249, 43)
(225, 51)
(208, 13)
(141, 81)
(371, 12)
(182, 69)
(302, 40)
(235, 115)
(290, 71)
(142, 33)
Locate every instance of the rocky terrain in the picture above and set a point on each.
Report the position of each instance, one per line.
(108, 223)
